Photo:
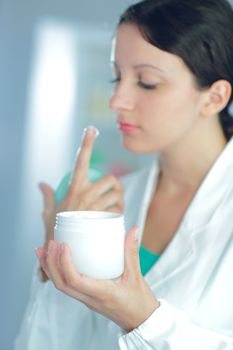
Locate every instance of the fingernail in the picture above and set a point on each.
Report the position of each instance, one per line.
(96, 130)
(90, 128)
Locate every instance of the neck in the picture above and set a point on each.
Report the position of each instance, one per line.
(186, 163)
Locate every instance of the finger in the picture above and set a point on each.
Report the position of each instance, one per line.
(89, 198)
(56, 276)
(48, 197)
(105, 184)
(115, 209)
(59, 281)
(52, 265)
(99, 188)
(41, 254)
(132, 262)
(108, 200)
(86, 285)
(42, 274)
(82, 164)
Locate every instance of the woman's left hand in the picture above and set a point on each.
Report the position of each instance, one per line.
(128, 300)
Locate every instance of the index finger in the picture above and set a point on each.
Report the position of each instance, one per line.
(82, 164)
(82, 283)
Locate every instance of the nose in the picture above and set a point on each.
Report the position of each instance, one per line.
(122, 99)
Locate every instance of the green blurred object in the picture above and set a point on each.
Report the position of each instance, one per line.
(62, 189)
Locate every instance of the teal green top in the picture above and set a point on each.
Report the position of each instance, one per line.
(147, 259)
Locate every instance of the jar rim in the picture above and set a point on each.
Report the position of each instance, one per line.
(87, 215)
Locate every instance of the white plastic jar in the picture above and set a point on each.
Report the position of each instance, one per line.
(96, 240)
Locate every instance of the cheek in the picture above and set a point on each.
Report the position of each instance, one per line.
(168, 117)
(170, 109)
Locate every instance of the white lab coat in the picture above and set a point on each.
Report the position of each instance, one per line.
(193, 280)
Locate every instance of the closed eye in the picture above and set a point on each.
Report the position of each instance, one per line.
(115, 80)
(147, 86)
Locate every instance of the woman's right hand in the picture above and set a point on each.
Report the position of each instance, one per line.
(105, 194)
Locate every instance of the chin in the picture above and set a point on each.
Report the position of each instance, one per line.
(136, 147)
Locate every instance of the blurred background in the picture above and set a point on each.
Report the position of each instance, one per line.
(54, 81)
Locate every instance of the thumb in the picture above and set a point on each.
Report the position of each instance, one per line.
(48, 196)
(132, 263)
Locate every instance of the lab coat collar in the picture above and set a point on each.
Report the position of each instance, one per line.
(215, 187)
(207, 200)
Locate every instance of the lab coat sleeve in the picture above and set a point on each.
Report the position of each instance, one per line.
(169, 329)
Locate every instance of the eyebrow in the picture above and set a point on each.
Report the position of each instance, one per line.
(143, 65)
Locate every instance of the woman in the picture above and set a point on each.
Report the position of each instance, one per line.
(173, 64)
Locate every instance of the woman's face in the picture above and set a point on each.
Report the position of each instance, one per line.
(155, 97)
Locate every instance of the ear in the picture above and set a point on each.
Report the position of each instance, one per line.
(217, 97)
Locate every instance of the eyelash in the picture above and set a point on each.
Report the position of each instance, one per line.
(140, 84)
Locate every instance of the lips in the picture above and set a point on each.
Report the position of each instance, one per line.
(127, 128)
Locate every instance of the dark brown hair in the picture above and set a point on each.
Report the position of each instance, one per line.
(198, 31)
